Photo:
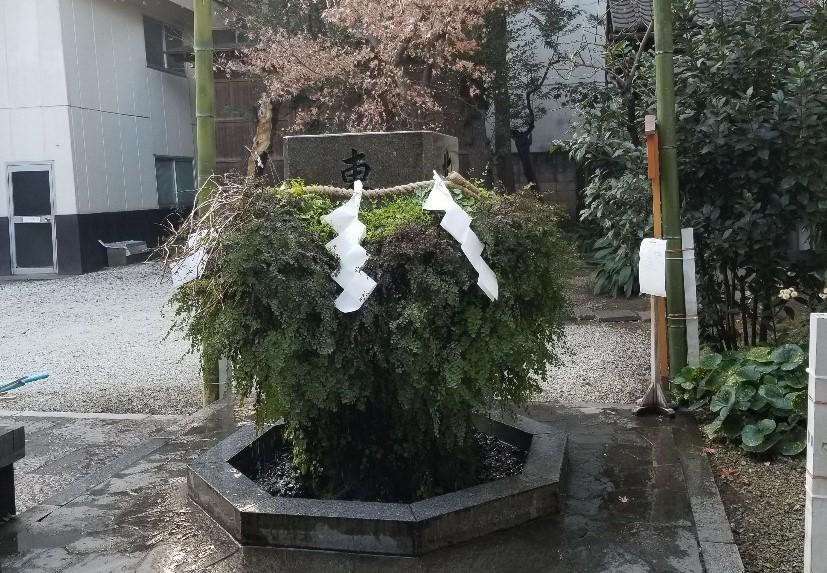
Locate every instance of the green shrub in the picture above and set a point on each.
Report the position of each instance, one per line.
(759, 397)
(378, 403)
(751, 135)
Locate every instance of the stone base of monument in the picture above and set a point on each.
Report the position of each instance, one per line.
(254, 517)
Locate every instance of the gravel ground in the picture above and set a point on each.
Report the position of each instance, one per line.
(607, 362)
(101, 338)
(764, 499)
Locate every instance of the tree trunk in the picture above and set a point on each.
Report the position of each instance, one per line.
(502, 104)
(523, 142)
(263, 139)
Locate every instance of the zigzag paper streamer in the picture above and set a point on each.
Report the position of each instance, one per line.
(356, 285)
(191, 267)
(458, 223)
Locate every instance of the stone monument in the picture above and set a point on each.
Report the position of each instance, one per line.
(377, 159)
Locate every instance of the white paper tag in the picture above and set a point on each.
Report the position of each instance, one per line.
(652, 267)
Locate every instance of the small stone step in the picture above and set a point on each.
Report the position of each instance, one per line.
(616, 316)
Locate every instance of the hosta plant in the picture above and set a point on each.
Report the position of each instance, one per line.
(378, 403)
(758, 397)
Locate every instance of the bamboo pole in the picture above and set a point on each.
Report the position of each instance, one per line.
(665, 92)
(204, 97)
(205, 151)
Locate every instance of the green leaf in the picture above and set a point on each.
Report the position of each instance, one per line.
(732, 427)
(766, 444)
(794, 381)
(743, 396)
(710, 361)
(723, 401)
(794, 442)
(759, 354)
(798, 401)
(755, 371)
(788, 356)
(684, 383)
(750, 372)
(775, 396)
(753, 434)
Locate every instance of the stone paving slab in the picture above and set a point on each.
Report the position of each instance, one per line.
(63, 449)
(616, 315)
(629, 506)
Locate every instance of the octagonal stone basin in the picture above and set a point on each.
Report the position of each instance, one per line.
(254, 517)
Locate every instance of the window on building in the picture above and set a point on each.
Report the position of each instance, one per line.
(226, 39)
(176, 182)
(163, 46)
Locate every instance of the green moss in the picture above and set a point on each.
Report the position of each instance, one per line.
(381, 217)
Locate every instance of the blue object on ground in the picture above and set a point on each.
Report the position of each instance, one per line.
(20, 382)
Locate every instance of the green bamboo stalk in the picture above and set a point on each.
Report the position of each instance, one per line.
(665, 92)
(205, 150)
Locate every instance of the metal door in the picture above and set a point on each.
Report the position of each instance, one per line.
(32, 222)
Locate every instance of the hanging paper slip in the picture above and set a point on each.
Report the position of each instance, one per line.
(652, 267)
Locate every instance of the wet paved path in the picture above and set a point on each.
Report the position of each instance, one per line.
(637, 499)
(65, 447)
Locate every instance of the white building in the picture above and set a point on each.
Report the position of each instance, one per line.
(96, 128)
(579, 60)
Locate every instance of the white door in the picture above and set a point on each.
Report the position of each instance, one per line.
(32, 222)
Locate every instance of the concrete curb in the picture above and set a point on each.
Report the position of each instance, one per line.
(718, 549)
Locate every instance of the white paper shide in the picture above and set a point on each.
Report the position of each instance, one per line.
(356, 285)
(191, 267)
(458, 223)
(652, 267)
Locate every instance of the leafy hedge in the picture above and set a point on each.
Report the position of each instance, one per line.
(751, 135)
(379, 403)
(759, 397)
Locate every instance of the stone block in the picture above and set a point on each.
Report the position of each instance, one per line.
(7, 504)
(815, 530)
(816, 438)
(818, 344)
(378, 159)
(12, 445)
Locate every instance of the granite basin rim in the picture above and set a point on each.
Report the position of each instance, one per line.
(254, 517)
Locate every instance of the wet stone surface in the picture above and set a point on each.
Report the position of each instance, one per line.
(498, 459)
(64, 448)
(627, 508)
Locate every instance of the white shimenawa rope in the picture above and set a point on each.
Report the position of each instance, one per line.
(356, 285)
(458, 223)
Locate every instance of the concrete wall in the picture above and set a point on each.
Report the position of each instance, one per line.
(122, 113)
(34, 120)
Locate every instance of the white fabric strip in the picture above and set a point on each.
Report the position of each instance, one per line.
(356, 285)
(458, 223)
